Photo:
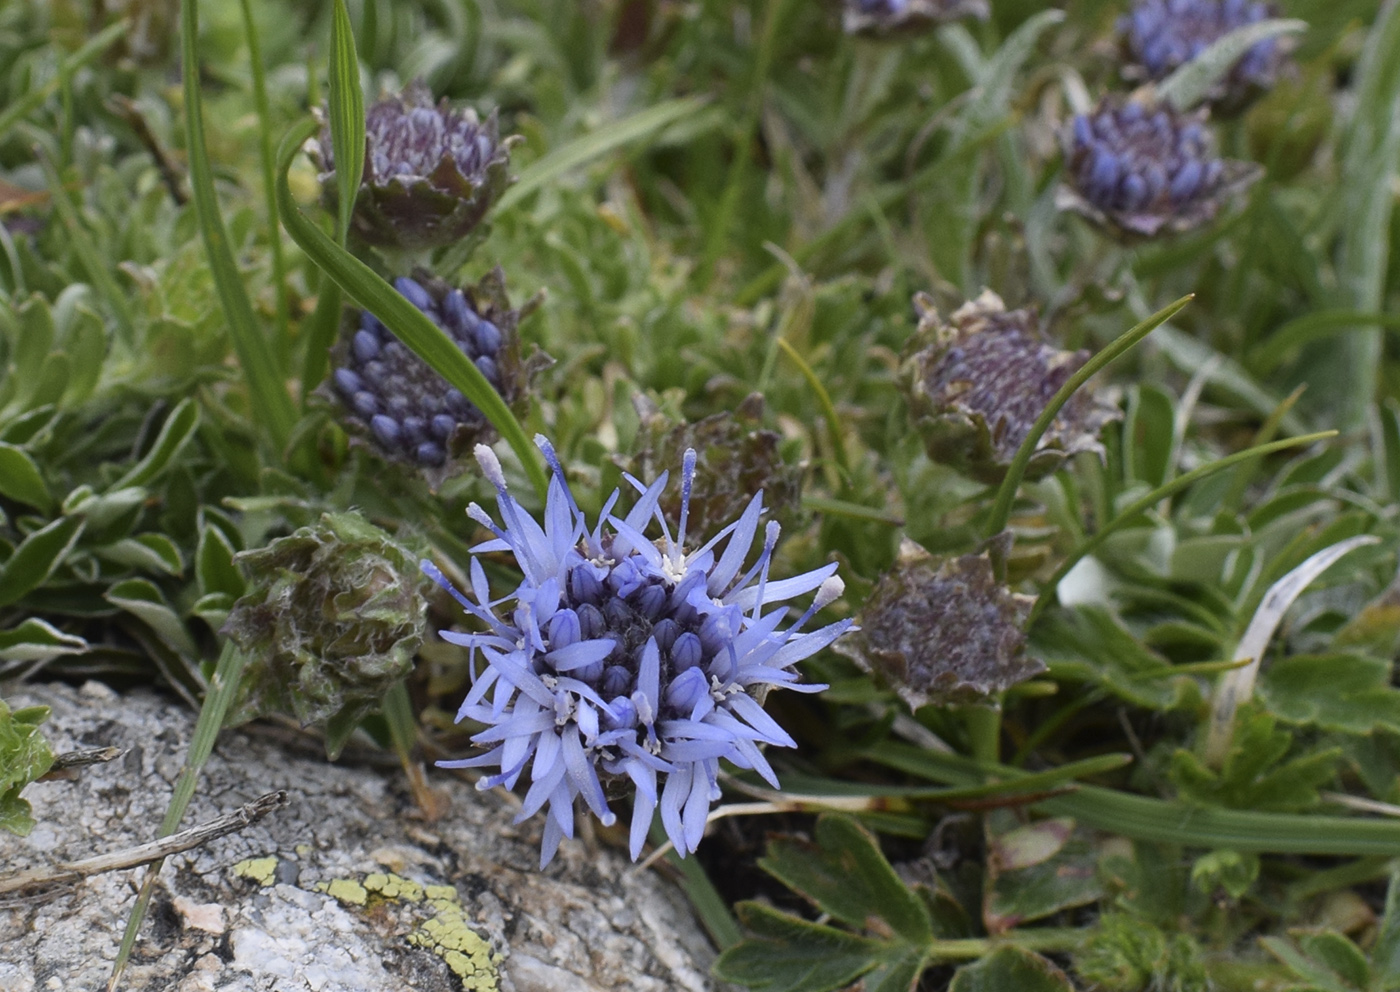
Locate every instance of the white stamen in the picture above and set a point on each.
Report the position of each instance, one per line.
(490, 467)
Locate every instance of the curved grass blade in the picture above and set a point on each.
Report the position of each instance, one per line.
(1001, 509)
(347, 116)
(585, 149)
(428, 341)
(1237, 686)
(1314, 327)
(1146, 503)
(268, 396)
(269, 162)
(222, 688)
(1190, 83)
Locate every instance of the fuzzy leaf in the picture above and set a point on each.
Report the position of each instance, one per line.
(787, 954)
(37, 640)
(1254, 775)
(143, 599)
(36, 558)
(24, 756)
(1196, 79)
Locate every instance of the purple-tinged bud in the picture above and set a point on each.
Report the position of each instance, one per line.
(686, 689)
(564, 629)
(617, 682)
(1138, 172)
(687, 653)
(430, 176)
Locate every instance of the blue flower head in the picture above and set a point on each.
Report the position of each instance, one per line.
(1141, 169)
(620, 657)
(1159, 36)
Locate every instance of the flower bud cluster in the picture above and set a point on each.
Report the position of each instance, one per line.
(408, 411)
(884, 17)
(431, 172)
(1160, 36)
(1140, 169)
(623, 658)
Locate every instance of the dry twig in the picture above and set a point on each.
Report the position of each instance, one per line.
(72, 871)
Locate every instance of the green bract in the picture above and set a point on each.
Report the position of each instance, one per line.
(332, 620)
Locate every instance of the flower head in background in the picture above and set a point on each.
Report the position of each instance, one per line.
(885, 17)
(735, 455)
(431, 172)
(332, 619)
(1140, 170)
(405, 409)
(943, 630)
(977, 383)
(1160, 36)
(620, 657)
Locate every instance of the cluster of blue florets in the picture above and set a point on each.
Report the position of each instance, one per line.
(408, 409)
(1163, 35)
(621, 657)
(1128, 157)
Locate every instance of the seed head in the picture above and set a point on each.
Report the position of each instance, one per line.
(977, 384)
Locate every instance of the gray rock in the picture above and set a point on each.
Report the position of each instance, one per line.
(341, 890)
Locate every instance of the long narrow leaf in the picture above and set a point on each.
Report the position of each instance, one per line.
(583, 150)
(222, 688)
(268, 162)
(95, 46)
(1001, 510)
(1193, 81)
(428, 341)
(268, 395)
(347, 115)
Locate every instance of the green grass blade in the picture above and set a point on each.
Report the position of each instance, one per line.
(95, 46)
(347, 116)
(1191, 83)
(428, 341)
(1001, 509)
(1314, 327)
(581, 151)
(222, 688)
(269, 164)
(1165, 821)
(268, 397)
(1131, 512)
(1344, 374)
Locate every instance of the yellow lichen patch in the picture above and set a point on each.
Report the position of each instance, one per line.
(346, 890)
(260, 870)
(391, 886)
(440, 893)
(464, 951)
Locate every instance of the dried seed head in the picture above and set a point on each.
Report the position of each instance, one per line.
(977, 383)
(943, 630)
